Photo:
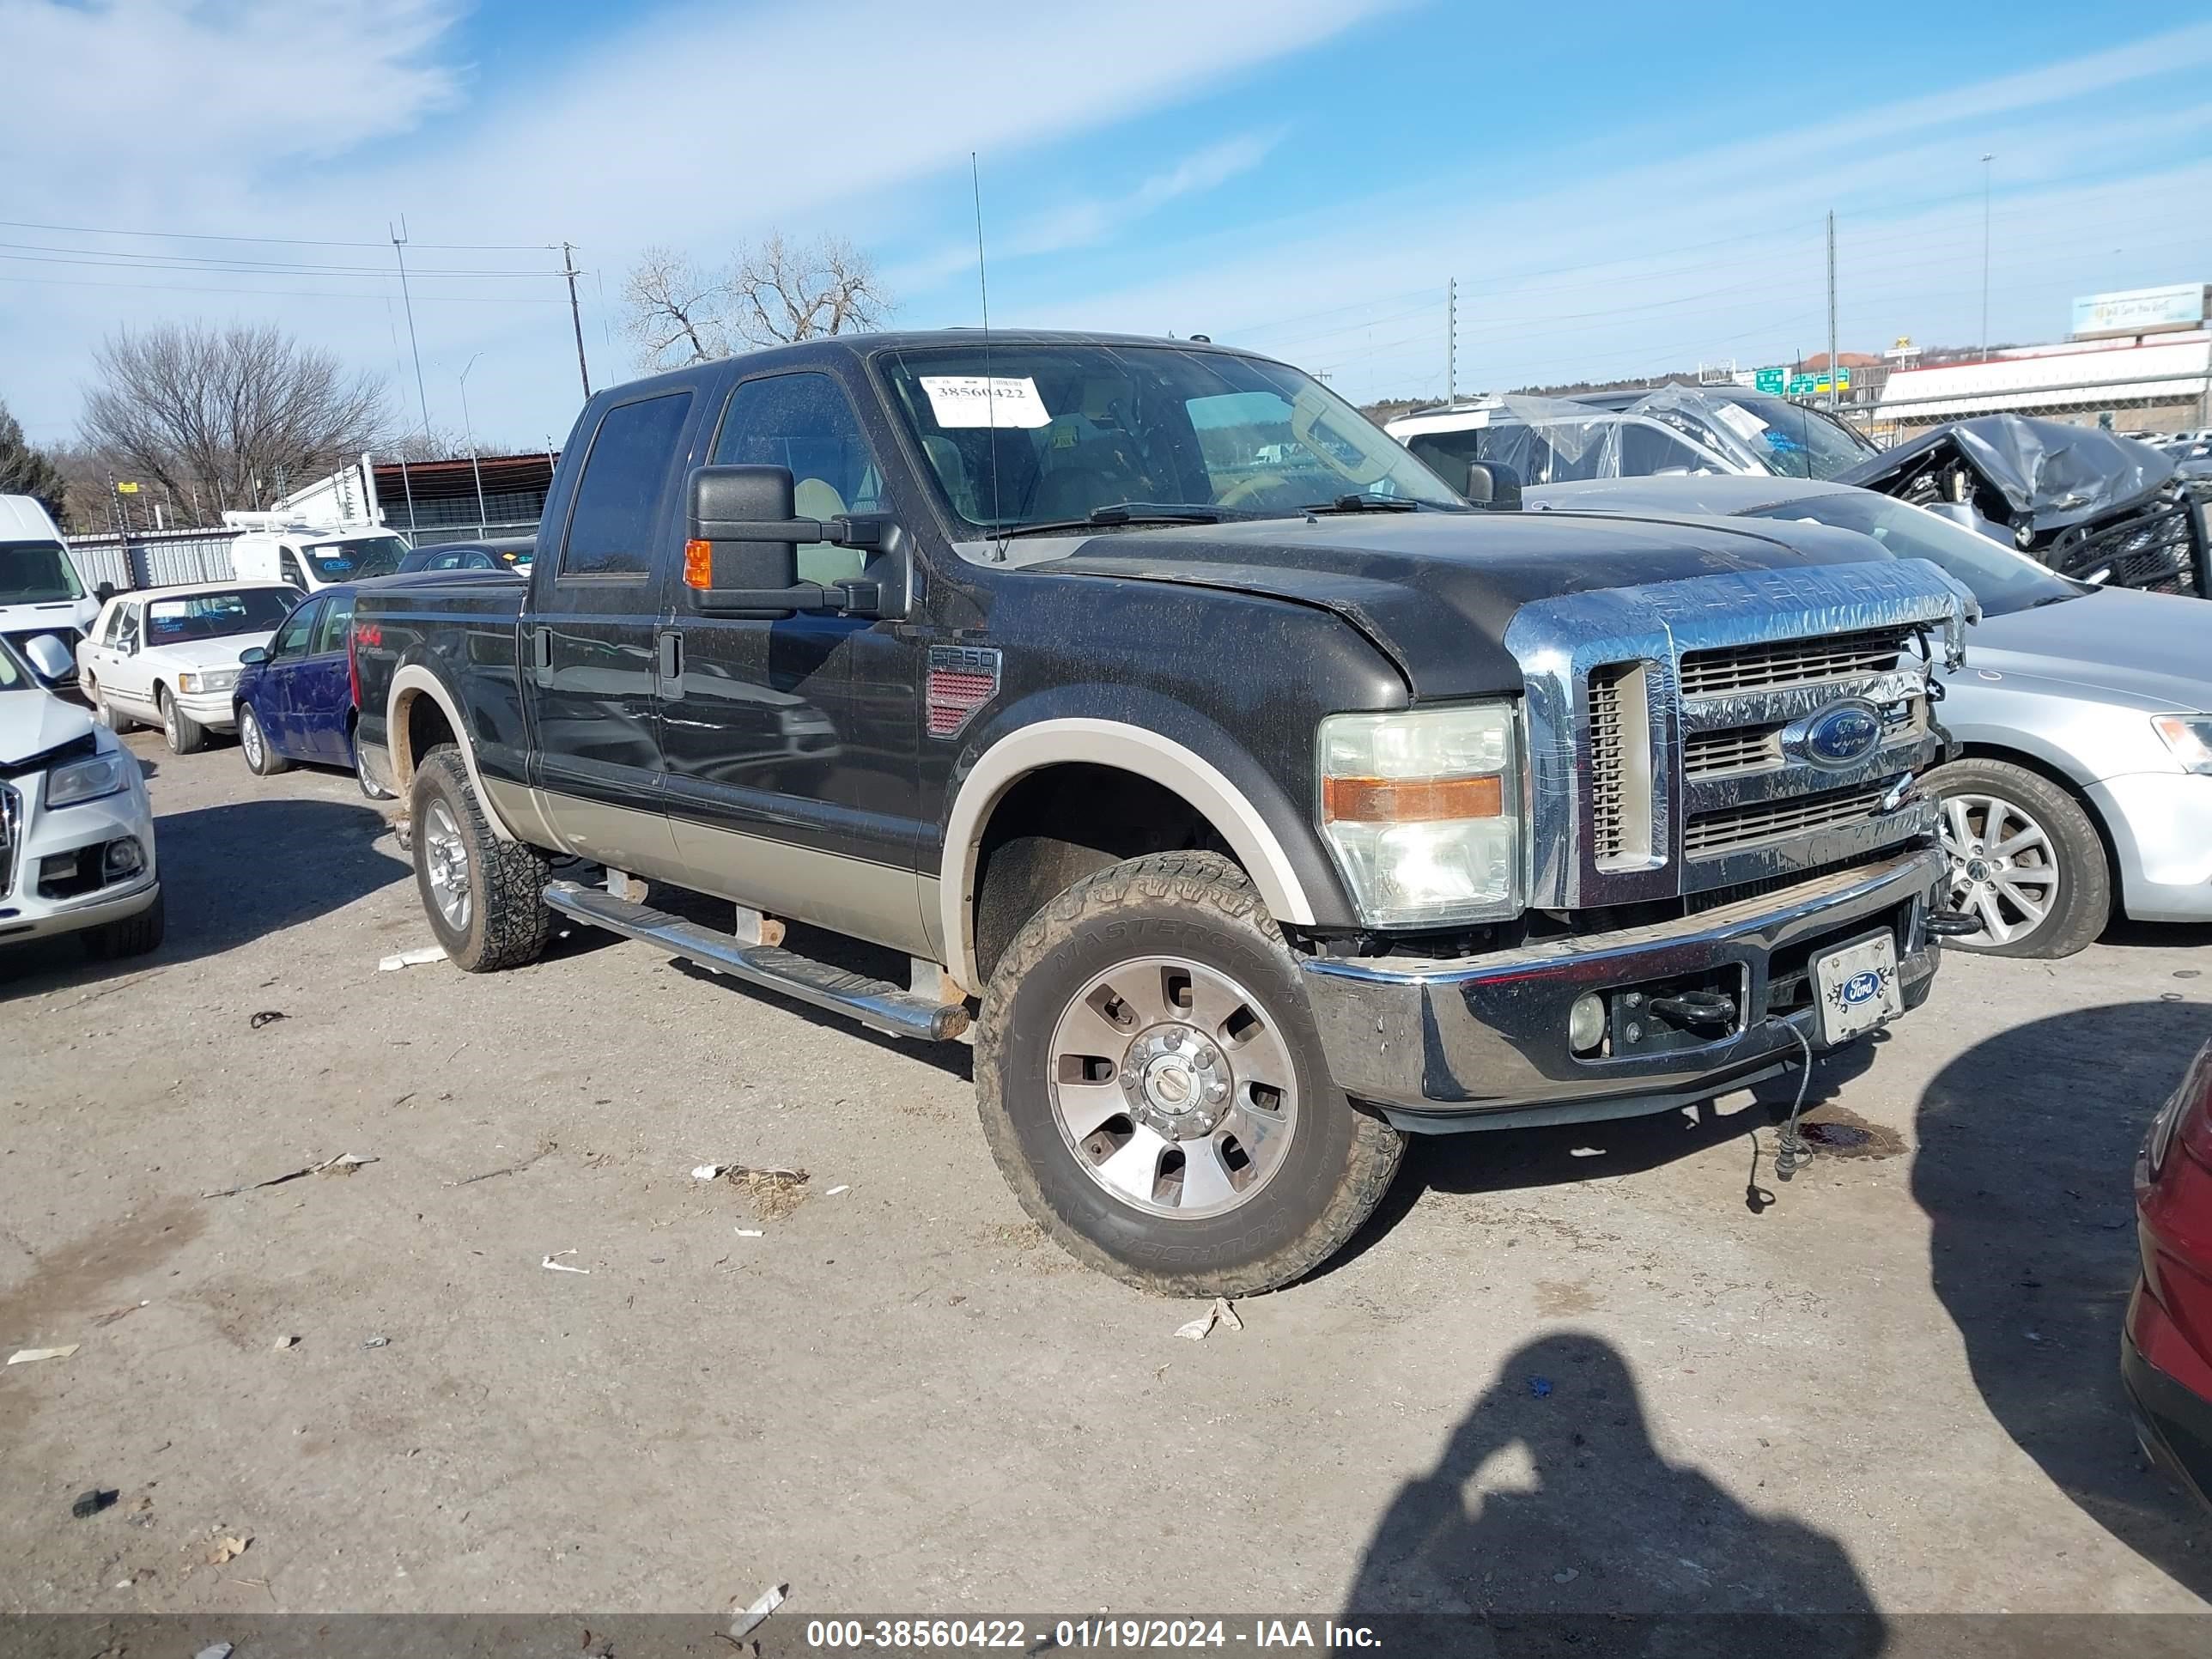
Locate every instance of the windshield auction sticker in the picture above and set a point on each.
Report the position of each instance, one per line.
(971, 400)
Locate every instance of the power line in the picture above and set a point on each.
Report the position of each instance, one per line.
(98, 260)
(283, 241)
(289, 293)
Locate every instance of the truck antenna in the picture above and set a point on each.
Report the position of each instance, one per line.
(990, 385)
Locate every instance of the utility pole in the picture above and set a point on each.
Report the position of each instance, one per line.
(1452, 341)
(576, 315)
(1987, 157)
(399, 252)
(1833, 370)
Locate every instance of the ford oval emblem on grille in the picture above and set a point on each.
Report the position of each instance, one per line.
(1862, 987)
(1838, 736)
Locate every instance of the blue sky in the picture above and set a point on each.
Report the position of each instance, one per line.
(1618, 189)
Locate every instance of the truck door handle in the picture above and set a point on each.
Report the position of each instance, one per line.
(541, 653)
(672, 660)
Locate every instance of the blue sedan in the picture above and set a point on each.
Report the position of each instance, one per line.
(294, 696)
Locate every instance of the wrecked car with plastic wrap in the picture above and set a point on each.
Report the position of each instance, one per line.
(1137, 709)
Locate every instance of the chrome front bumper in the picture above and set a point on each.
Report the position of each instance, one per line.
(1481, 1041)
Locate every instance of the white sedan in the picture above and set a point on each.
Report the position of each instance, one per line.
(169, 656)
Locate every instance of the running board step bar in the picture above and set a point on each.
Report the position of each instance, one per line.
(874, 1002)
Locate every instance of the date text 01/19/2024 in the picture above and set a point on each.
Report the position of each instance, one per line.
(1041, 1635)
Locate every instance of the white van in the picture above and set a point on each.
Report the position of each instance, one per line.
(41, 590)
(312, 559)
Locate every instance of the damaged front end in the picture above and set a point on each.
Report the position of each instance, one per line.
(2090, 505)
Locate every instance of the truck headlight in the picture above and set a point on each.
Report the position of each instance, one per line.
(87, 780)
(2189, 737)
(1422, 810)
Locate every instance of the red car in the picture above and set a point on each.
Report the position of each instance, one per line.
(2166, 1351)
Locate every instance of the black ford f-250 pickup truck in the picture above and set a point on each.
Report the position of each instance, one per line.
(1259, 799)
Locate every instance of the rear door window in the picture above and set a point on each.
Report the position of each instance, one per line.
(633, 456)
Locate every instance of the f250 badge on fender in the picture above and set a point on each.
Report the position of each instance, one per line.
(962, 679)
(1838, 736)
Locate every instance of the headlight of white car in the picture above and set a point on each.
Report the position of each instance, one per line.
(1423, 812)
(2189, 737)
(87, 780)
(212, 679)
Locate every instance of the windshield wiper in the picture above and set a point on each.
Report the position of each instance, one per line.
(1363, 502)
(1120, 513)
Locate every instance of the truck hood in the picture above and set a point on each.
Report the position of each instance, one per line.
(1435, 591)
(2147, 648)
(32, 722)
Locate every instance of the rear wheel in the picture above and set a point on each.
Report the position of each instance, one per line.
(187, 736)
(2025, 859)
(485, 896)
(1153, 1088)
(261, 759)
(106, 713)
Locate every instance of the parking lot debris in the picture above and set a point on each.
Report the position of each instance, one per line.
(834, 1191)
(344, 1163)
(228, 1547)
(1541, 1387)
(123, 1312)
(421, 957)
(266, 1017)
(750, 1232)
(284, 1342)
(29, 1355)
(1220, 1314)
(707, 1171)
(558, 1265)
(215, 1650)
(378, 1342)
(91, 1503)
(745, 1620)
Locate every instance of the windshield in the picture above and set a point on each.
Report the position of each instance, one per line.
(36, 573)
(214, 615)
(354, 559)
(1790, 439)
(1049, 434)
(2001, 579)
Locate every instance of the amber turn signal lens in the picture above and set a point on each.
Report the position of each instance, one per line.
(1411, 800)
(699, 564)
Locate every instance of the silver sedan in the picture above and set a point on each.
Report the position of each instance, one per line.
(2084, 785)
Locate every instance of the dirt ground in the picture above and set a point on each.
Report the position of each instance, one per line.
(1572, 1369)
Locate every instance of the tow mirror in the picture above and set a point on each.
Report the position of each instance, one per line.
(50, 657)
(1493, 484)
(741, 546)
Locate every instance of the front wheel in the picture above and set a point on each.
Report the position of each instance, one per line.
(1153, 1088)
(133, 936)
(2025, 859)
(485, 897)
(262, 760)
(187, 736)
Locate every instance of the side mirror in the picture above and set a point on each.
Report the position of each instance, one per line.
(104, 591)
(49, 657)
(254, 655)
(741, 544)
(1493, 484)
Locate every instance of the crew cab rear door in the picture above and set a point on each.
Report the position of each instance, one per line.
(589, 637)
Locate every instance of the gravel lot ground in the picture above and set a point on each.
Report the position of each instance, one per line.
(1564, 1369)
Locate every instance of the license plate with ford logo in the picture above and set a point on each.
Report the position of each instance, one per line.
(1856, 988)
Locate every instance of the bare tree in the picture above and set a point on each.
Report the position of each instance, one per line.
(239, 414)
(24, 471)
(676, 313)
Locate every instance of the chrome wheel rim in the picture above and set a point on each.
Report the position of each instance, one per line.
(2004, 868)
(446, 862)
(249, 738)
(169, 721)
(1174, 1087)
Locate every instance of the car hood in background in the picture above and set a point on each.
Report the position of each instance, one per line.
(2051, 474)
(2154, 648)
(32, 723)
(197, 654)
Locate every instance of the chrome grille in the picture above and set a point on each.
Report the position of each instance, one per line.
(1608, 769)
(11, 837)
(1775, 665)
(1707, 833)
(1736, 750)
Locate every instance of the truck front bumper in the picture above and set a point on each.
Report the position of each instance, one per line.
(1482, 1043)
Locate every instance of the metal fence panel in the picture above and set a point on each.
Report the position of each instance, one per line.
(159, 559)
